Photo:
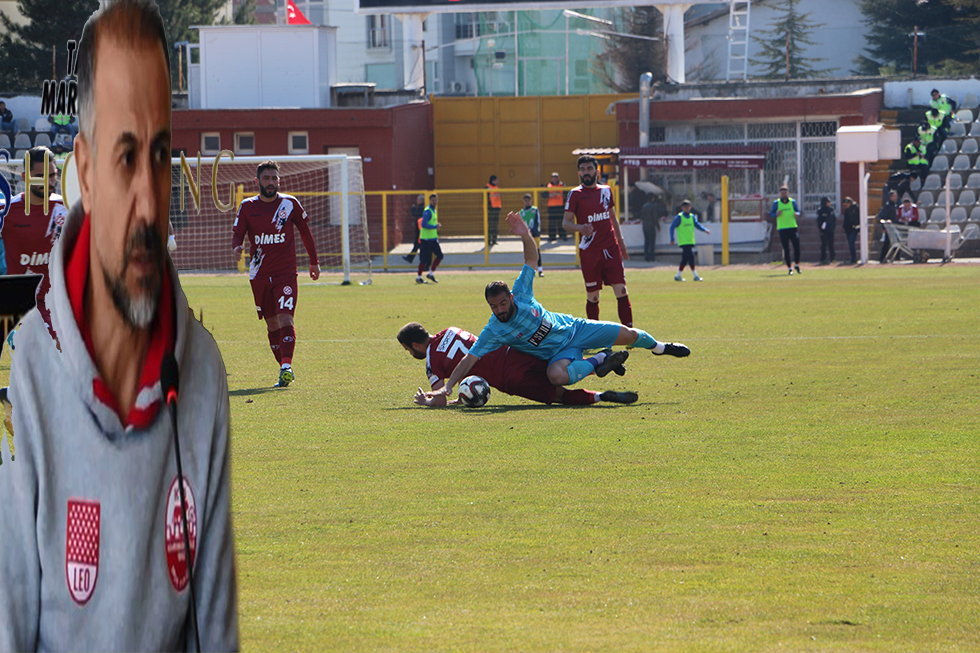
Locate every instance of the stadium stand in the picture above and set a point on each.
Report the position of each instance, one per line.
(958, 214)
(961, 162)
(966, 198)
(42, 138)
(964, 115)
(969, 146)
(940, 163)
(22, 141)
(926, 199)
(973, 181)
(938, 216)
(970, 101)
(933, 182)
(957, 130)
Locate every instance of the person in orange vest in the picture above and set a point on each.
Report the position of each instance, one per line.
(556, 209)
(493, 210)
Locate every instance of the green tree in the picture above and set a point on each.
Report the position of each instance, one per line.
(948, 39)
(784, 44)
(625, 57)
(37, 50)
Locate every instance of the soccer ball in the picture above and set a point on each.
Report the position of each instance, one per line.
(474, 391)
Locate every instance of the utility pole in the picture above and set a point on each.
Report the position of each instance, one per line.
(915, 49)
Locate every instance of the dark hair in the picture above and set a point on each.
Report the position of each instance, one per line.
(824, 200)
(266, 165)
(934, 111)
(587, 158)
(495, 288)
(493, 178)
(935, 90)
(413, 333)
(129, 22)
(37, 153)
(431, 196)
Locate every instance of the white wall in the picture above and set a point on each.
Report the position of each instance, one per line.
(897, 93)
(266, 66)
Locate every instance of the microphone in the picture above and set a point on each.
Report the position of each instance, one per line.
(169, 383)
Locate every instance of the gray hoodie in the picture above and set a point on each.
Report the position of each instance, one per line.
(91, 543)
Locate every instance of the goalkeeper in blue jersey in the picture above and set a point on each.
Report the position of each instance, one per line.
(519, 321)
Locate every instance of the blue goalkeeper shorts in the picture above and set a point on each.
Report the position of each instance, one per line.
(589, 334)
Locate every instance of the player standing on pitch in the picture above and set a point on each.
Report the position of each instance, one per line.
(590, 209)
(267, 218)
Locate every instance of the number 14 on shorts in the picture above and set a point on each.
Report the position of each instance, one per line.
(285, 303)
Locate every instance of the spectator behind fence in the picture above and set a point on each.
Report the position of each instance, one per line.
(887, 213)
(6, 118)
(493, 209)
(652, 211)
(556, 209)
(417, 210)
(852, 226)
(908, 213)
(826, 221)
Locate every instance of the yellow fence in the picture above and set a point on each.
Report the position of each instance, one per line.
(465, 215)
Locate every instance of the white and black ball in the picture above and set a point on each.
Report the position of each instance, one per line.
(474, 391)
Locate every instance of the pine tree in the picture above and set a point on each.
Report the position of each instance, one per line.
(949, 37)
(37, 50)
(783, 53)
(625, 59)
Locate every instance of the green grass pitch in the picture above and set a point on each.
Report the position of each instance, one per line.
(806, 481)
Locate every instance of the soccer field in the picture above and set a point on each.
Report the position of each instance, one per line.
(807, 480)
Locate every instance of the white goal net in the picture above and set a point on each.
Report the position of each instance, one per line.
(330, 188)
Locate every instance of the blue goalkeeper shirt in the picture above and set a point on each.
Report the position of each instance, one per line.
(532, 330)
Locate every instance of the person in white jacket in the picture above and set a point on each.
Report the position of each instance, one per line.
(94, 555)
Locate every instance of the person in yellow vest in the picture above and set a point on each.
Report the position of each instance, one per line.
(927, 136)
(915, 156)
(429, 241)
(786, 211)
(940, 101)
(493, 209)
(684, 224)
(556, 209)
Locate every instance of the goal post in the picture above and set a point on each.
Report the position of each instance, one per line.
(205, 193)
(329, 187)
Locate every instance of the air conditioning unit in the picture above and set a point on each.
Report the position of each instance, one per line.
(458, 87)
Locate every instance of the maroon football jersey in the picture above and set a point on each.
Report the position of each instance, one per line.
(270, 230)
(28, 239)
(448, 347)
(594, 206)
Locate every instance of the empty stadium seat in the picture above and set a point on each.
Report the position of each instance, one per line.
(5, 142)
(975, 129)
(971, 232)
(967, 198)
(964, 115)
(940, 163)
(973, 181)
(958, 214)
(969, 146)
(957, 130)
(970, 101)
(915, 185)
(43, 138)
(975, 214)
(22, 124)
(955, 180)
(925, 199)
(961, 162)
(42, 125)
(949, 147)
(22, 141)
(938, 216)
(933, 182)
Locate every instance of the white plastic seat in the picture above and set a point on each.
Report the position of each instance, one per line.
(940, 163)
(975, 129)
(955, 181)
(961, 162)
(5, 142)
(915, 185)
(967, 198)
(949, 146)
(970, 101)
(22, 124)
(971, 232)
(973, 181)
(975, 214)
(44, 138)
(969, 146)
(42, 125)
(925, 199)
(22, 141)
(957, 130)
(938, 216)
(964, 115)
(933, 182)
(958, 214)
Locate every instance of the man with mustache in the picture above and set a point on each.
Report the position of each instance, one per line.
(94, 554)
(519, 321)
(269, 218)
(590, 209)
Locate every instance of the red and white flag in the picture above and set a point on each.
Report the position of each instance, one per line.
(295, 16)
